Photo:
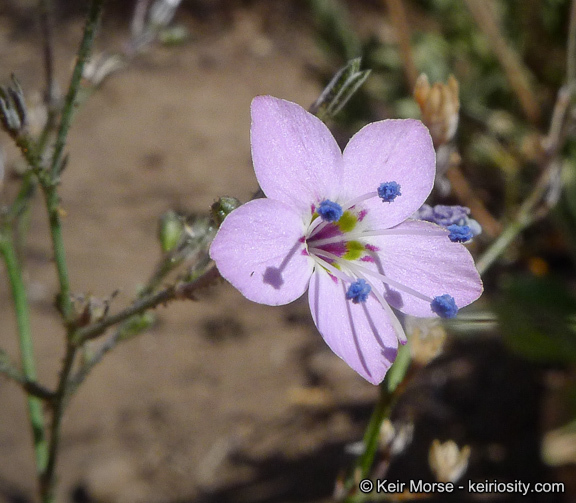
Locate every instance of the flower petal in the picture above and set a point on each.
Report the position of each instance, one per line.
(398, 151)
(296, 158)
(428, 263)
(260, 249)
(361, 334)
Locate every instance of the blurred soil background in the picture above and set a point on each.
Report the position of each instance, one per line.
(224, 400)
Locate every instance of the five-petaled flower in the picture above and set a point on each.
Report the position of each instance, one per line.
(338, 225)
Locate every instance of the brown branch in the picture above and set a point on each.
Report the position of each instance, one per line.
(402, 29)
(516, 72)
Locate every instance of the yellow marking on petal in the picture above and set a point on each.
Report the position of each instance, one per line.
(355, 250)
(347, 221)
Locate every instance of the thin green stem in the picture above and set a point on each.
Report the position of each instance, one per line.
(53, 207)
(528, 213)
(21, 309)
(371, 439)
(48, 476)
(500, 245)
(49, 183)
(25, 194)
(372, 434)
(92, 19)
(535, 207)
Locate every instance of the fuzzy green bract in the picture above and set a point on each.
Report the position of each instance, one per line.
(362, 267)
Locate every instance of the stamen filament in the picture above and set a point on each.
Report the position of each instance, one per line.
(357, 267)
(359, 199)
(384, 232)
(317, 226)
(396, 325)
(393, 283)
(334, 271)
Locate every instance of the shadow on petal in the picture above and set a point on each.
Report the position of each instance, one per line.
(273, 277)
(389, 353)
(393, 297)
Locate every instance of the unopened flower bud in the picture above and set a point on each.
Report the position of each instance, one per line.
(170, 231)
(13, 113)
(221, 208)
(439, 105)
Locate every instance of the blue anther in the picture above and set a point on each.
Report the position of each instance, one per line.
(329, 211)
(358, 291)
(444, 306)
(460, 233)
(388, 191)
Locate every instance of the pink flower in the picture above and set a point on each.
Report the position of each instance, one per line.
(338, 225)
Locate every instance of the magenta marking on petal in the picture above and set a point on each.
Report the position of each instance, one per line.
(334, 278)
(336, 248)
(367, 258)
(302, 239)
(372, 248)
(361, 215)
(304, 252)
(327, 231)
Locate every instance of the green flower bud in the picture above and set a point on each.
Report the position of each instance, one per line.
(222, 208)
(170, 231)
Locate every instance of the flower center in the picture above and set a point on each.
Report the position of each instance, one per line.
(338, 239)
